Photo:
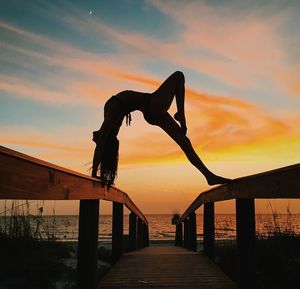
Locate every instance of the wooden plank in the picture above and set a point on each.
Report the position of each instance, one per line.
(279, 183)
(87, 244)
(209, 229)
(165, 267)
(245, 237)
(17, 155)
(219, 192)
(132, 207)
(117, 231)
(26, 178)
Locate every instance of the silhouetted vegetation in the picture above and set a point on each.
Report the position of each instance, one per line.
(30, 258)
(277, 254)
(31, 263)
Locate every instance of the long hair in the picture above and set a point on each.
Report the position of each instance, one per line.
(110, 157)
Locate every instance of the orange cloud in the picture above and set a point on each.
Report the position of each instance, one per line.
(218, 124)
(191, 93)
(33, 143)
(152, 47)
(253, 51)
(289, 79)
(295, 88)
(242, 49)
(69, 146)
(134, 77)
(23, 88)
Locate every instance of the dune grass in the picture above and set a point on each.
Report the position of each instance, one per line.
(277, 254)
(29, 256)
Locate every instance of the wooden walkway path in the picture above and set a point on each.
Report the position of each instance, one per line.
(166, 268)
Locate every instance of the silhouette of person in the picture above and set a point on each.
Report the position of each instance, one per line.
(154, 107)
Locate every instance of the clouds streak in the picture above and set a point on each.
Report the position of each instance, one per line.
(243, 53)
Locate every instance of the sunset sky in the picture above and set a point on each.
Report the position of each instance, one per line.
(61, 60)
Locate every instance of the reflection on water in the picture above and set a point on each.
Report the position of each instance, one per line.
(65, 228)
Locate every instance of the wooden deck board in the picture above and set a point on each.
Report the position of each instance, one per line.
(165, 267)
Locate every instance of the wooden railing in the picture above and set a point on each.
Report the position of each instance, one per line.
(279, 183)
(26, 178)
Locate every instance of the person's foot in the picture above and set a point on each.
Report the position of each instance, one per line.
(181, 119)
(217, 180)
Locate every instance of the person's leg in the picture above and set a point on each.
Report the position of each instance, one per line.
(167, 123)
(162, 98)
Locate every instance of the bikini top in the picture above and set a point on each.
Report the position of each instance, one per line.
(146, 109)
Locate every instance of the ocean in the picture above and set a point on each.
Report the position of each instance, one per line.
(65, 228)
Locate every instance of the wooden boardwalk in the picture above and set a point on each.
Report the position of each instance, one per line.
(166, 268)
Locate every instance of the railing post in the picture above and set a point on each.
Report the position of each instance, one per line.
(117, 231)
(209, 229)
(147, 235)
(132, 231)
(245, 228)
(144, 235)
(87, 244)
(193, 232)
(139, 233)
(178, 234)
(186, 232)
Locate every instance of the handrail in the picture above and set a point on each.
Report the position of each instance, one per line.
(26, 177)
(279, 183)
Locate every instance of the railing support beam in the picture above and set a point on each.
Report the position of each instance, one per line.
(132, 231)
(178, 234)
(186, 233)
(140, 234)
(147, 237)
(209, 229)
(145, 230)
(117, 231)
(192, 232)
(87, 244)
(245, 228)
